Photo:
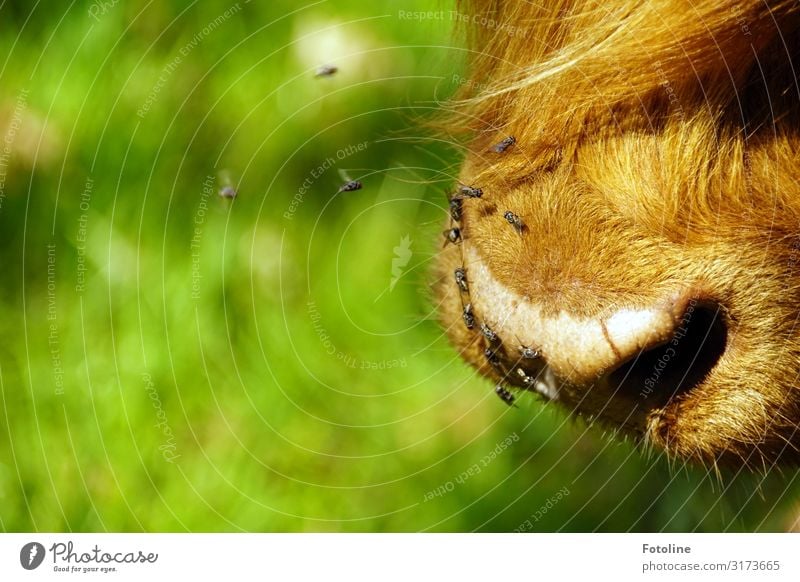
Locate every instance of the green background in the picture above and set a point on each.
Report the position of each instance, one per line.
(225, 367)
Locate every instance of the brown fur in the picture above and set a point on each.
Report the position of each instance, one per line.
(657, 153)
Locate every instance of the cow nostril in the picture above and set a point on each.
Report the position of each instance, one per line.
(657, 375)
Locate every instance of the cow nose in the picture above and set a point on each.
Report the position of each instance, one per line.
(669, 344)
(666, 344)
(633, 343)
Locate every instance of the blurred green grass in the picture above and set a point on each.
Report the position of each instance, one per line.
(299, 389)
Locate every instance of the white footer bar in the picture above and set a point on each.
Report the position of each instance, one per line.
(401, 557)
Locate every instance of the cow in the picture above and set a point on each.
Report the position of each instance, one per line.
(628, 218)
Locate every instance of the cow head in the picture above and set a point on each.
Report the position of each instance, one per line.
(634, 252)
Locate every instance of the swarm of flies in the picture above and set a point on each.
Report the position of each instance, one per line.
(494, 350)
(453, 235)
(516, 367)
